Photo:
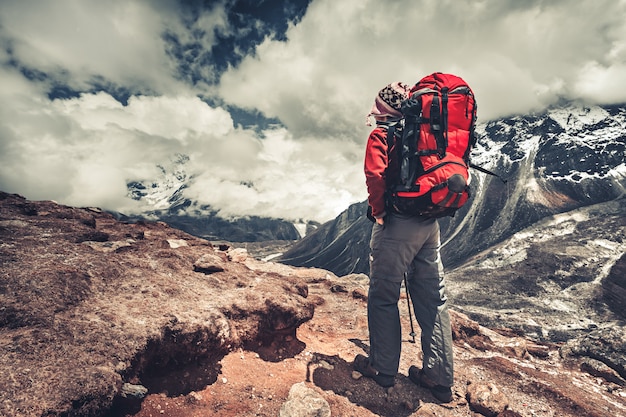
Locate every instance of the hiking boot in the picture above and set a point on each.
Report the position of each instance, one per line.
(440, 392)
(362, 365)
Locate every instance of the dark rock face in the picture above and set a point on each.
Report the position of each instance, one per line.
(89, 305)
(614, 286)
(245, 229)
(207, 224)
(340, 246)
(606, 346)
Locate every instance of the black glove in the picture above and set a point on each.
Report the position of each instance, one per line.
(369, 214)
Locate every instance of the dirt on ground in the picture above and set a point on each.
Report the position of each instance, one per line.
(500, 366)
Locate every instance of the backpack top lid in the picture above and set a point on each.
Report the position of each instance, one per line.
(438, 80)
(448, 103)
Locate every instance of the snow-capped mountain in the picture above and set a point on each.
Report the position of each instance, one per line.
(165, 197)
(555, 162)
(563, 159)
(164, 192)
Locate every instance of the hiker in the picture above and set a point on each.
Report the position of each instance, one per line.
(402, 244)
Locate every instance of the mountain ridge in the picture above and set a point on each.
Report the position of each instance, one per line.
(547, 171)
(569, 156)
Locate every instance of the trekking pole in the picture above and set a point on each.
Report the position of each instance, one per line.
(408, 304)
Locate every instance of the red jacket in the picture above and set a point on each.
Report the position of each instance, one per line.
(377, 160)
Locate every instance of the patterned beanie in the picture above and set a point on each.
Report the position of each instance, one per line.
(388, 101)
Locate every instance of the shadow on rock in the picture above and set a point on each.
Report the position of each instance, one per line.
(359, 343)
(278, 346)
(331, 373)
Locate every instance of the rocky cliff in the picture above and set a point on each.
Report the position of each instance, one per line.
(104, 318)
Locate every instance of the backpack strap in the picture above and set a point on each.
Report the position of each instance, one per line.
(391, 135)
(405, 151)
(444, 123)
(473, 138)
(436, 122)
(439, 120)
(391, 139)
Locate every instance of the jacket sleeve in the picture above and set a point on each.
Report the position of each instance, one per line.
(376, 161)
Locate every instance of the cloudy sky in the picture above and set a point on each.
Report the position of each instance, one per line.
(267, 98)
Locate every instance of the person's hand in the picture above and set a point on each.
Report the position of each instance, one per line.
(380, 220)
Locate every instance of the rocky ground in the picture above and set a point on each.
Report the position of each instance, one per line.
(496, 374)
(554, 281)
(102, 318)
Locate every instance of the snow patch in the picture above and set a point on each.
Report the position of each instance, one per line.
(577, 117)
(559, 305)
(530, 145)
(619, 171)
(607, 244)
(301, 228)
(272, 256)
(504, 256)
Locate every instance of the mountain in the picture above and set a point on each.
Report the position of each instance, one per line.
(340, 245)
(555, 280)
(566, 158)
(165, 196)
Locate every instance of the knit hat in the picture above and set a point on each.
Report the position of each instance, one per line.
(388, 101)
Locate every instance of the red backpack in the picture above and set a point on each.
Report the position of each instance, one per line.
(432, 144)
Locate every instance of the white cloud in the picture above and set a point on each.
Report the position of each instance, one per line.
(304, 179)
(518, 56)
(180, 118)
(83, 151)
(600, 83)
(77, 40)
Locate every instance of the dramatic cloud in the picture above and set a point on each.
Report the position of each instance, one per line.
(96, 94)
(82, 151)
(78, 42)
(518, 57)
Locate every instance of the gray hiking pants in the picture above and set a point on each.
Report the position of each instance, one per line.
(411, 245)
